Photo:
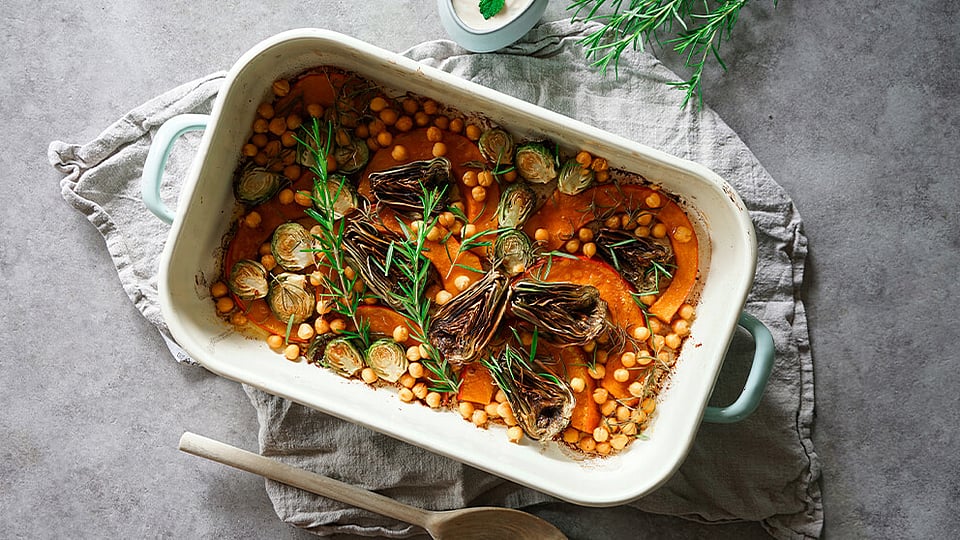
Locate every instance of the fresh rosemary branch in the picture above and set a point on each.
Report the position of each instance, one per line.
(407, 256)
(346, 301)
(702, 27)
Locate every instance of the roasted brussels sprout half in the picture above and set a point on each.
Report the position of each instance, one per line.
(563, 312)
(514, 251)
(574, 178)
(256, 185)
(536, 163)
(342, 357)
(248, 280)
(387, 359)
(292, 247)
(462, 327)
(496, 146)
(635, 257)
(341, 192)
(289, 298)
(542, 403)
(517, 204)
(352, 156)
(401, 188)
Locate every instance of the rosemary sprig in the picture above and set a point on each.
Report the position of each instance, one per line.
(346, 301)
(702, 27)
(409, 259)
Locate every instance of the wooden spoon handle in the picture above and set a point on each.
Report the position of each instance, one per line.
(204, 447)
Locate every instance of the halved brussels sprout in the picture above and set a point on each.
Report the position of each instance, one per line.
(496, 145)
(401, 188)
(463, 326)
(342, 357)
(542, 403)
(248, 280)
(289, 298)
(339, 188)
(387, 359)
(517, 204)
(563, 312)
(514, 251)
(634, 257)
(351, 157)
(536, 163)
(256, 185)
(292, 246)
(574, 178)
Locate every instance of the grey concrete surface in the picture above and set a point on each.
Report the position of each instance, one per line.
(850, 105)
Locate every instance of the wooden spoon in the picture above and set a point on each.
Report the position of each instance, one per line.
(465, 524)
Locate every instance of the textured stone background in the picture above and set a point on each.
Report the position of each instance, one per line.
(850, 106)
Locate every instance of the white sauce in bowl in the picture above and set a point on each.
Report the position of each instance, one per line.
(469, 13)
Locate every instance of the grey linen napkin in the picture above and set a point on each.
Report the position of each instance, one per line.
(762, 469)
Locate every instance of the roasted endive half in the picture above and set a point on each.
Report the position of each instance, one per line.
(462, 327)
(642, 261)
(563, 312)
(542, 402)
(401, 188)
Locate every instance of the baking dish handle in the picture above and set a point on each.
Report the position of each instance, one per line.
(157, 159)
(757, 379)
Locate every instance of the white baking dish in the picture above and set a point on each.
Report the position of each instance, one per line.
(191, 258)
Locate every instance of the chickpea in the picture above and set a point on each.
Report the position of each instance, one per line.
(485, 178)
(439, 149)
(672, 340)
(401, 333)
(644, 359)
(225, 304)
(321, 326)
(238, 318)
(375, 127)
(294, 121)
(404, 124)
(572, 246)
(612, 222)
(686, 312)
(473, 132)
(628, 359)
(261, 125)
(384, 139)
(434, 234)
(500, 396)
(369, 376)
(683, 234)
(514, 434)
(219, 289)
(338, 325)
(407, 381)
(619, 441)
(600, 396)
(623, 413)
(641, 333)
(305, 331)
(589, 250)
(587, 444)
(409, 105)
(303, 198)
(461, 282)
(378, 104)
(466, 409)
(641, 231)
(571, 435)
(291, 352)
(681, 327)
(441, 122)
(456, 125)
(584, 158)
(274, 341)
(470, 178)
(636, 389)
(416, 370)
(389, 116)
(585, 234)
(621, 375)
(399, 153)
(504, 411)
(577, 384)
(361, 131)
(292, 171)
(596, 371)
(599, 164)
(249, 150)
(430, 107)
(420, 390)
(265, 110)
(433, 399)
(281, 87)
(541, 235)
(443, 297)
(413, 353)
(659, 230)
(315, 110)
(277, 126)
(252, 219)
(653, 200)
(629, 429)
(421, 118)
(600, 434)
(469, 230)
(479, 193)
(434, 134)
(259, 139)
(405, 395)
(424, 352)
(491, 410)
(479, 418)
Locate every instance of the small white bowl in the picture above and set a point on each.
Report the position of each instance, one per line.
(479, 35)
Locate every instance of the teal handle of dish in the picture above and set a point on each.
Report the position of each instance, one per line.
(763, 356)
(163, 141)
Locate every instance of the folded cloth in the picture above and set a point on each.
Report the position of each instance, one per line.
(762, 469)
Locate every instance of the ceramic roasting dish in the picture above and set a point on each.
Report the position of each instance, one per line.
(206, 208)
